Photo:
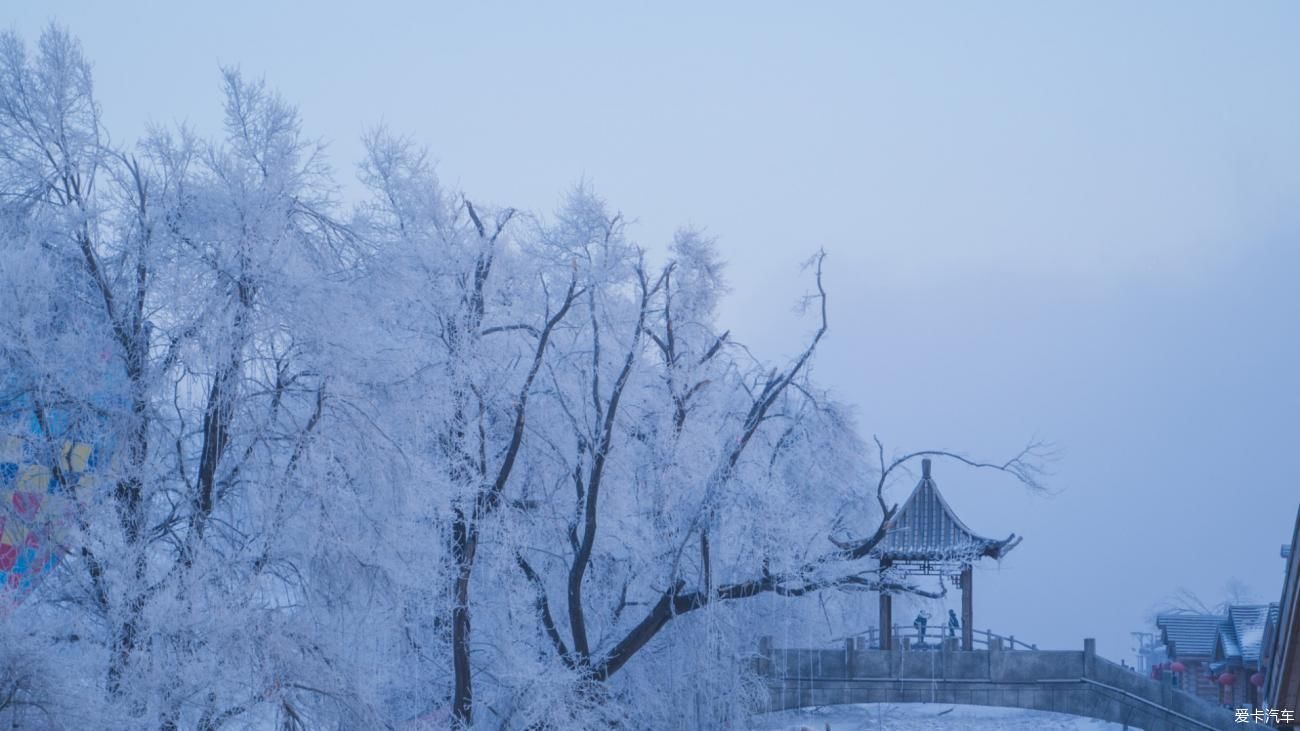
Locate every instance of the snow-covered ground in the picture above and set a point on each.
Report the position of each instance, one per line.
(923, 717)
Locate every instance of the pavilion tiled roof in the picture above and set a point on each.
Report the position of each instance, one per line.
(926, 529)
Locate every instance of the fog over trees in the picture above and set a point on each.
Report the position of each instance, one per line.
(411, 461)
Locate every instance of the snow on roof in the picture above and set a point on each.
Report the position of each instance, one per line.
(1248, 622)
(1237, 636)
(926, 529)
(1190, 635)
(1228, 641)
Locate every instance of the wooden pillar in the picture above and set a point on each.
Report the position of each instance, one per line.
(886, 615)
(967, 611)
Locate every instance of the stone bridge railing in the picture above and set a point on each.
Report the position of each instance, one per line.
(937, 636)
(1064, 681)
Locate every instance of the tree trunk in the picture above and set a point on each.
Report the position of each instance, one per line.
(462, 702)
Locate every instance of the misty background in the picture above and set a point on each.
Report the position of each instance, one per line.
(1077, 222)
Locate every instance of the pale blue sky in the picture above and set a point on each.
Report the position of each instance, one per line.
(1076, 220)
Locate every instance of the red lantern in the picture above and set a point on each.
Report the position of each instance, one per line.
(1227, 679)
(1257, 680)
(1177, 667)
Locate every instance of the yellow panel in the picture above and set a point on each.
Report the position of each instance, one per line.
(33, 478)
(79, 457)
(15, 533)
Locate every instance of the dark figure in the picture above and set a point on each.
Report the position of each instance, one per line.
(954, 624)
(919, 624)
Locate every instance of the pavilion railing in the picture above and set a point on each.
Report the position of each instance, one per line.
(933, 637)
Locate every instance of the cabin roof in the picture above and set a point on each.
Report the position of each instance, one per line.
(1190, 635)
(1247, 623)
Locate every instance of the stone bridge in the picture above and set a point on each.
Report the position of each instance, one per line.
(1074, 682)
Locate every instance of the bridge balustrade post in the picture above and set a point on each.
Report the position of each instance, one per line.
(1089, 656)
(765, 655)
(850, 653)
(887, 629)
(967, 610)
(896, 660)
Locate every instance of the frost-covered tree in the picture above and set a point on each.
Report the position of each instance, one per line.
(177, 298)
(473, 332)
(415, 462)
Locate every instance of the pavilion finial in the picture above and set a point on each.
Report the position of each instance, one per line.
(925, 468)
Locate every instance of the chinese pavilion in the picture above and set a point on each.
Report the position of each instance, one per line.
(925, 538)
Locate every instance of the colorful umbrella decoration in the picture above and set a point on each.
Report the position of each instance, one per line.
(45, 472)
